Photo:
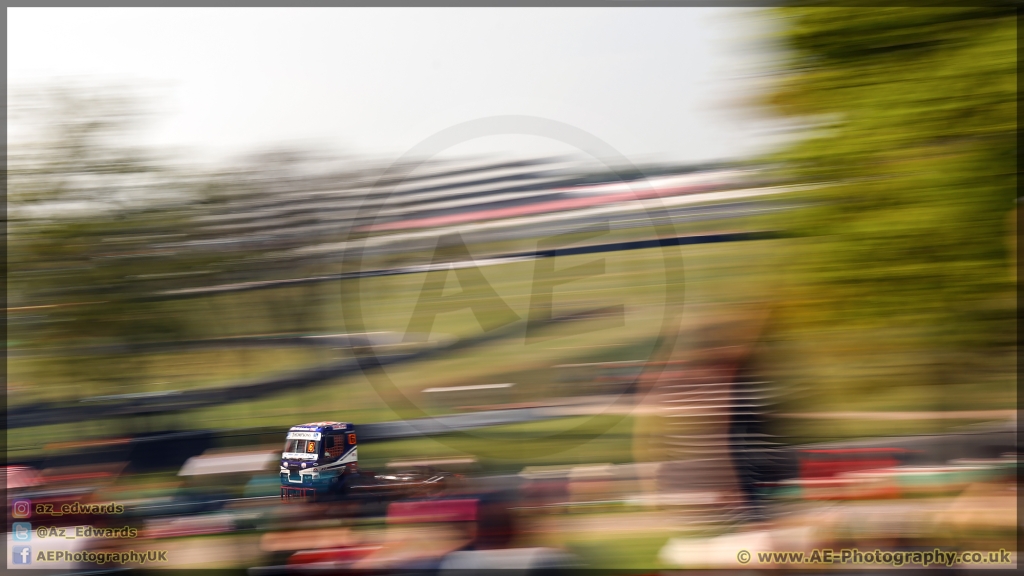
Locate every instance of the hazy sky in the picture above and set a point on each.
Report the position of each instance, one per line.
(652, 83)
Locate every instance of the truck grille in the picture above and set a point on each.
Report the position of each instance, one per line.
(288, 493)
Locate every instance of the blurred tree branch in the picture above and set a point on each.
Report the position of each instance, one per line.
(907, 252)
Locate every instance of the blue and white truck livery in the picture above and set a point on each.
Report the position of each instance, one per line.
(316, 458)
(320, 460)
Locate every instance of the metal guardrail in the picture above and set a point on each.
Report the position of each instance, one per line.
(53, 413)
(499, 259)
(452, 423)
(269, 341)
(176, 447)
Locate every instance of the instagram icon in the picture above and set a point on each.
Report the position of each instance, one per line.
(21, 509)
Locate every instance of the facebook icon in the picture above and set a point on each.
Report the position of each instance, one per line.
(21, 554)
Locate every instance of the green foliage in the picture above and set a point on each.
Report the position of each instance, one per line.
(97, 227)
(908, 250)
(80, 203)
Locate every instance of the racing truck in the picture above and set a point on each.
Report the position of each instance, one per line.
(320, 461)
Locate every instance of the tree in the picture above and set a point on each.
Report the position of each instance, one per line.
(101, 229)
(87, 210)
(904, 268)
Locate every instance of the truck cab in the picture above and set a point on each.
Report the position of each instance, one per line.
(315, 458)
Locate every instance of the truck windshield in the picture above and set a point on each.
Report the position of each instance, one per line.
(303, 446)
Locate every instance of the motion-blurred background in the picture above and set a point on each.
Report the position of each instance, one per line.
(781, 316)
